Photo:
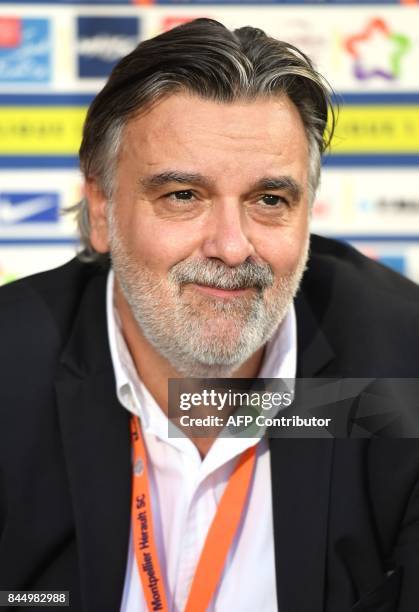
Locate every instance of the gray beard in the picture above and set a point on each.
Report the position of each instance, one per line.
(204, 336)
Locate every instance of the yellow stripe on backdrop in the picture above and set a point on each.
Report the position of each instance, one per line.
(41, 130)
(377, 129)
(361, 129)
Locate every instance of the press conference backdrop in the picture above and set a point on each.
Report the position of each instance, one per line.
(55, 56)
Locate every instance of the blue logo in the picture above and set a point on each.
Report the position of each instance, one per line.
(395, 262)
(103, 41)
(18, 208)
(25, 50)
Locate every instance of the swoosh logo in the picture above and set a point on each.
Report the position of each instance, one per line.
(10, 214)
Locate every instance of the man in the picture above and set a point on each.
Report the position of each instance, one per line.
(201, 157)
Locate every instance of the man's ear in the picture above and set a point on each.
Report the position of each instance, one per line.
(99, 236)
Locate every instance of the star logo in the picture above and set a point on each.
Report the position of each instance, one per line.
(377, 51)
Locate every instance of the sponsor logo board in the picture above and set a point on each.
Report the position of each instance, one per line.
(38, 130)
(25, 50)
(31, 207)
(378, 51)
(35, 213)
(396, 205)
(371, 129)
(367, 202)
(102, 41)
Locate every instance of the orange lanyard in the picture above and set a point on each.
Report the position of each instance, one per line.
(218, 541)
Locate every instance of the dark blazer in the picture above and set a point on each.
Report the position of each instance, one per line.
(346, 511)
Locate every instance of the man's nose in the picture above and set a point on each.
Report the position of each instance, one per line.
(227, 234)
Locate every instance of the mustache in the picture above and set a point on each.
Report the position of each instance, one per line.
(214, 273)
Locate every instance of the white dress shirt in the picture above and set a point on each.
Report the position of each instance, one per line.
(186, 490)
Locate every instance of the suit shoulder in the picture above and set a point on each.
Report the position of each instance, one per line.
(368, 313)
(353, 275)
(41, 306)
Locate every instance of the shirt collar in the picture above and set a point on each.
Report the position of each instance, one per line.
(131, 391)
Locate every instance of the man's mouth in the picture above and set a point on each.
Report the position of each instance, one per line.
(222, 293)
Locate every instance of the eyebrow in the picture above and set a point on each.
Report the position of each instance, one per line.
(283, 183)
(269, 183)
(174, 176)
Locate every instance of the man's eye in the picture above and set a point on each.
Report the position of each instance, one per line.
(272, 200)
(181, 195)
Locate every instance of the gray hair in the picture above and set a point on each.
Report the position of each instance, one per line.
(206, 59)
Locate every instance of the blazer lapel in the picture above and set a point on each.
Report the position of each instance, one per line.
(301, 472)
(314, 352)
(96, 439)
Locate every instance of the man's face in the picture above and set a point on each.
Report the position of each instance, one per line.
(208, 227)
